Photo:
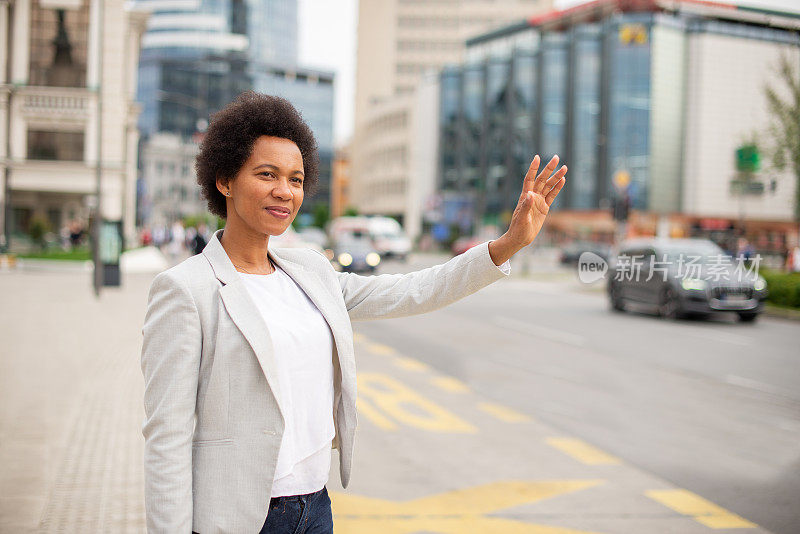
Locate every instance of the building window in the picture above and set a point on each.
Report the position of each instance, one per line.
(63, 146)
(58, 46)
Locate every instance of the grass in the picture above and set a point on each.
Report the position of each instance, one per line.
(66, 255)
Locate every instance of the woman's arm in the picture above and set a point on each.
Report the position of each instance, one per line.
(397, 295)
(170, 364)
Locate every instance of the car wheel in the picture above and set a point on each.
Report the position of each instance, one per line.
(617, 304)
(747, 317)
(669, 304)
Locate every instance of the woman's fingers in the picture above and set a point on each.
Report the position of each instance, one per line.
(554, 179)
(539, 183)
(551, 196)
(530, 176)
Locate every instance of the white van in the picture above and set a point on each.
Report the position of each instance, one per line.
(386, 233)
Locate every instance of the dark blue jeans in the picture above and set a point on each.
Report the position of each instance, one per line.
(300, 514)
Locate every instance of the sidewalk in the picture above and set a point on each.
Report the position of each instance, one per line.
(71, 409)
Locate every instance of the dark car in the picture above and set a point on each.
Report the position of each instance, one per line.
(678, 277)
(354, 254)
(570, 253)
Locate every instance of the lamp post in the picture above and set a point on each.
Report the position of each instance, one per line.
(97, 220)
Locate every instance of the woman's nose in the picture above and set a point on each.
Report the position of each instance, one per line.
(282, 190)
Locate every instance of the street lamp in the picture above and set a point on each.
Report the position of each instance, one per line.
(98, 209)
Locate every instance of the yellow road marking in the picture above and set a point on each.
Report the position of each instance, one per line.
(406, 406)
(454, 512)
(501, 412)
(373, 414)
(706, 512)
(410, 364)
(380, 349)
(582, 451)
(448, 383)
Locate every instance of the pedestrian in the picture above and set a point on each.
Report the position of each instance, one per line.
(198, 240)
(75, 234)
(795, 259)
(177, 241)
(247, 354)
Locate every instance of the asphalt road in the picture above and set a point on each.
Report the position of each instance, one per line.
(712, 406)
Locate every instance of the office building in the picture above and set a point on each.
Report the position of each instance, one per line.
(398, 42)
(649, 98)
(198, 55)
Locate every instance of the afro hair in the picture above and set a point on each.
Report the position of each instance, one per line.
(233, 131)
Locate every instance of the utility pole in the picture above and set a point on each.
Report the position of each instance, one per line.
(98, 210)
(5, 239)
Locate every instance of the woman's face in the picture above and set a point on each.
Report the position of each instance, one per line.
(267, 192)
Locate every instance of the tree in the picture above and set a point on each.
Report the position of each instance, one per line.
(321, 215)
(783, 102)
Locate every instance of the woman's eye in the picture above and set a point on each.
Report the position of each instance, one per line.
(268, 174)
(298, 180)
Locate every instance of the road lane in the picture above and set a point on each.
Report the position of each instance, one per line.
(498, 470)
(720, 418)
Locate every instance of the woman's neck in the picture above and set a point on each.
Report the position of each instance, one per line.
(246, 248)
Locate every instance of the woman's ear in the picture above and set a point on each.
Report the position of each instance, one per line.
(223, 186)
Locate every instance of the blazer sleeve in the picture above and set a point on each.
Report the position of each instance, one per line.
(170, 364)
(398, 295)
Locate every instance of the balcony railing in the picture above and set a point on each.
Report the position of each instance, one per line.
(55, 102)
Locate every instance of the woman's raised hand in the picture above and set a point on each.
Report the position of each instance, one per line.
(539, 190)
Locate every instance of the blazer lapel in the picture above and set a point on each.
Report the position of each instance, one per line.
(243, 312)
(311, 284)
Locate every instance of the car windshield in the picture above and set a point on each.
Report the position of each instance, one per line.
(357, 246)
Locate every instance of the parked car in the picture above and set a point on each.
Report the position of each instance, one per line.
(354, 254)
(386, 233)
(571, 252)
(715, 282)
(291, 239)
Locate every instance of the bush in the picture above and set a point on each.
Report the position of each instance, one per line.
(38, 229)
(784, 288)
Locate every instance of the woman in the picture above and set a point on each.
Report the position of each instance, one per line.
(248, 350)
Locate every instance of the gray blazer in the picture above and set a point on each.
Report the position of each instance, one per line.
(213, 411)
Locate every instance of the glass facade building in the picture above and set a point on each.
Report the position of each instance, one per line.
(580, 86)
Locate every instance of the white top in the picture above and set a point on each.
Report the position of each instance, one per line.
(303, 345)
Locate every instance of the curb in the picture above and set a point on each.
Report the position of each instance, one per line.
(785, 313)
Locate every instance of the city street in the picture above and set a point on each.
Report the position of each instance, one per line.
(528, 407)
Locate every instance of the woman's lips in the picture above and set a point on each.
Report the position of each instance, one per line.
(280, 214)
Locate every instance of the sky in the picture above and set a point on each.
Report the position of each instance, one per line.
(327, 40)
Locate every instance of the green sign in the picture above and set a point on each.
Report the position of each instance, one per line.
(748, 159)
(110, 242)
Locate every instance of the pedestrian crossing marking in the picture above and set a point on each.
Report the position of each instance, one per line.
(450, 384)
(582, 451)
(410, 364)
(381, 349)
(407, 406)
(462, 511)
(706, 512)
(501, 412)
(373, 414)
